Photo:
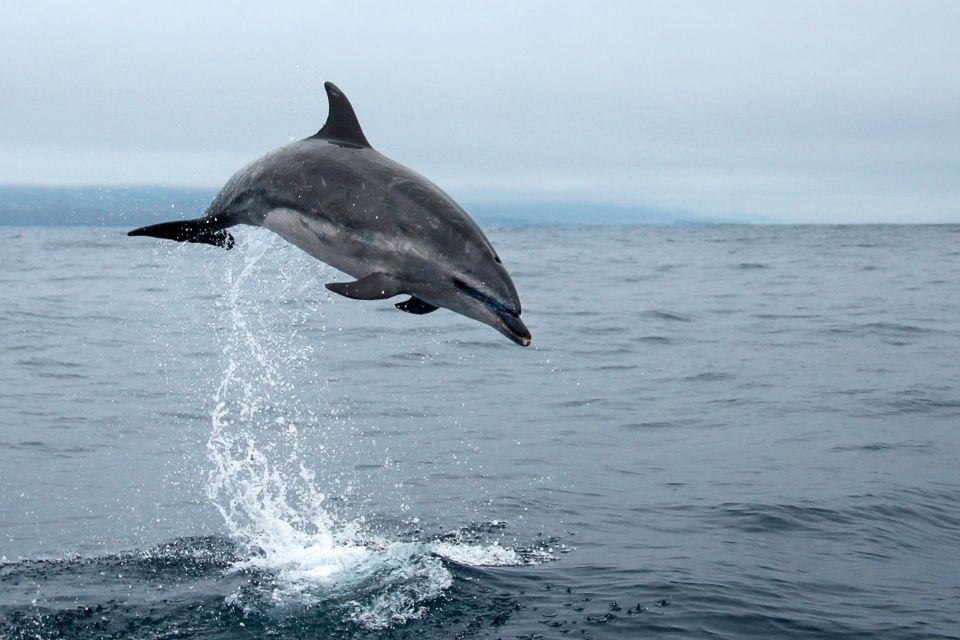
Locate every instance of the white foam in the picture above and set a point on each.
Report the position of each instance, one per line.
(266, 493)
(478, 555)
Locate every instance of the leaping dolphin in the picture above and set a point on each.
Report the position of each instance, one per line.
(338, 199)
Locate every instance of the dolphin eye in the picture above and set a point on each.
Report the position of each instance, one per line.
(496, 259)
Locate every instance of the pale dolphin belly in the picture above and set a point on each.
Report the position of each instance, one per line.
(320, 238)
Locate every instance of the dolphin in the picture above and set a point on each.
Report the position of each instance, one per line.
(344, 203)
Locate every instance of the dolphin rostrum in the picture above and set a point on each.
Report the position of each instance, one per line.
(345, 204)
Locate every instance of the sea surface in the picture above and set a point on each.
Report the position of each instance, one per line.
(719, 432)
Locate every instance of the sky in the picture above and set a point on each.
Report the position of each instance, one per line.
(809, 111)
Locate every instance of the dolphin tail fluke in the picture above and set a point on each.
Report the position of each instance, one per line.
(204, 230)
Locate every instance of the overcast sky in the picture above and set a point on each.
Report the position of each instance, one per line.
(795, 111)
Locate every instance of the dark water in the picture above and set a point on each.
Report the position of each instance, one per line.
(730, 432)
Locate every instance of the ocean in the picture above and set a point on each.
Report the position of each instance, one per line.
(719, 432)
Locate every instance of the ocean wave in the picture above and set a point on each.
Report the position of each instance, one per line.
(891, 521)
(207, 586)
(671, 316)
(885, 329)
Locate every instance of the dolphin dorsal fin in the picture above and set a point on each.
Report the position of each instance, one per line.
(342, 126)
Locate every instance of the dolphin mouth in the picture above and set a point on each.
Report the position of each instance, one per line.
(512, 326)
(508, 321)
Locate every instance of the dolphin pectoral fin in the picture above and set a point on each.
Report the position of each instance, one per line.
(376, 286)
(416, 306)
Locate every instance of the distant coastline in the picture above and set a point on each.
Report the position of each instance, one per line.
(107, 206)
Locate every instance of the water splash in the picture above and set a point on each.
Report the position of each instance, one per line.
(266, 491)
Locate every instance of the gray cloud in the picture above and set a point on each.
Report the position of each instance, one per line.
(799, 111)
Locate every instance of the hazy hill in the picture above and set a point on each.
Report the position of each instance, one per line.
(99, 206)
(140, 205)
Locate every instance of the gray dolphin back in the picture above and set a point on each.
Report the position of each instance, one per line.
(342, 128)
